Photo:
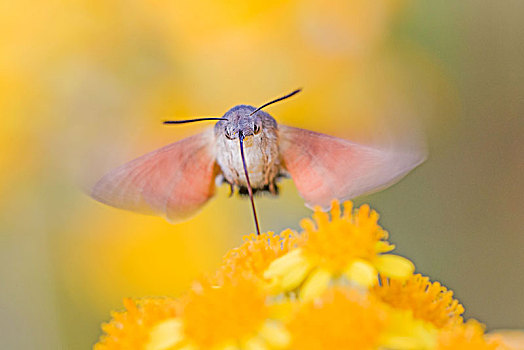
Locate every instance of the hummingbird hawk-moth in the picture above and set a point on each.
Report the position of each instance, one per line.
(250, 151)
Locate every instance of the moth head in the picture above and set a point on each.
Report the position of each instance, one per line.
(241, 122)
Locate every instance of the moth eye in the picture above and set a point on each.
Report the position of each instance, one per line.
(256, 129)
(228, 135)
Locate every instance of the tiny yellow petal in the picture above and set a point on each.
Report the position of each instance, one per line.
(294, 277)
(394, 266)
(384, 247)
(307, 224)
(165, 335)
(335, 209)
(348, 209)
(315, 285)
(275, 335)
(255, 343)
(320, 217)
(284, 264)
(363, 273)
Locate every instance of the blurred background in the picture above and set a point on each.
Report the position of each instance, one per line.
(84, 86)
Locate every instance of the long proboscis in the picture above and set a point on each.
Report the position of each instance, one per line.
(249, 189)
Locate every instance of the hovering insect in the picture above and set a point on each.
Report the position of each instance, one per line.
(248, 150)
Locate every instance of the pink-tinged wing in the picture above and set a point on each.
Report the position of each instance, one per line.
(173, 181)
(324, 167)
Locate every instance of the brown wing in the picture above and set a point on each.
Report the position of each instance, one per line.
(324, 167)
(173, 181)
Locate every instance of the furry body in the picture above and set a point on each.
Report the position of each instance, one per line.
(261, 149)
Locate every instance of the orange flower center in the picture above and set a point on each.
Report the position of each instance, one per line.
(342, 319)
(130, 329)
(257, 252)
(333, 244)
(428, 301)
(218, 315)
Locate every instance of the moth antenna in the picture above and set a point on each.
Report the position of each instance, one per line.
(276, 100)
(190, 120)
(249, 189)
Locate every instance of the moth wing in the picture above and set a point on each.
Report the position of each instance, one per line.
(324, 167)
(173, 181)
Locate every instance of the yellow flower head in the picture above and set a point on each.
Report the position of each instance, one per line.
(351, 244)
(257, 252)
(342, 318)
(428, 301)
(467, 336)
(333, 267)
(131, 329)
(232, 315)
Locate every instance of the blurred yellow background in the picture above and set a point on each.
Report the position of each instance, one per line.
(84, 86)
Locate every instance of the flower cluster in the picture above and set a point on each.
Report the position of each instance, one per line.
(335, 285)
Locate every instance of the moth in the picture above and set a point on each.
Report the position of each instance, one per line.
(251, 152)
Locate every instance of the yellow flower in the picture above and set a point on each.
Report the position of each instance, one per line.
(351, 244)
(257, 252)
(428, 301)
(342, 318)
(467, 336)
(234, 311)
(130, 329)
(232, 315)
